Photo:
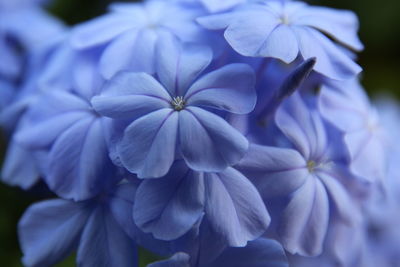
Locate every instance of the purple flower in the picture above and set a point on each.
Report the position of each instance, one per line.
(289, 29)
(64, 124)
(51, 230)
(309, 172)
(134, 28)
(170, 206)
(171, 115)
(346, 106)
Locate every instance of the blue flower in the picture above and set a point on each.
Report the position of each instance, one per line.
(130, 31)
(14, 34)
(259, 253)
(309, 170)
(170, 206)
(101, 230)
(63, 123)
(289, 29)
(346, 105)
(171, 114)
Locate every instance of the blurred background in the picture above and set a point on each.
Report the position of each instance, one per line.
(380, 32)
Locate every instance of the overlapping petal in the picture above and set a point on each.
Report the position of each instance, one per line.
(169, 207)
(148, 144)
(129, 95)
(229, 88)
(218, 145)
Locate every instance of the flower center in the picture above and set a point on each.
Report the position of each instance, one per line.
(178, 103)
(311, 165)
(285, 19)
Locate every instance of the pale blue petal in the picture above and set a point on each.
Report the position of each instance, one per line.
(304, 222)
(101, 30)
(170, 206)
(148, 144)
(217, 6)
(218, 145)
(79, 167)
(234, 207)
(230, 88)
(331, 60)
(179, 65)
(111, 60)
(248, 33)
(341, 25)
(129, 95)
(275, 171)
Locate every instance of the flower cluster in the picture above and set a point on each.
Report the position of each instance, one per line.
(210, 132)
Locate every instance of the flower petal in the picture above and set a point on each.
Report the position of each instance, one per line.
(101, 30)
(304, 222)
(275, 171)
(111, 61)
(113, 247)
(147, 147)
(50, 230)
(234, 207)
(79, 166)
(332, 61)
(19, 167)
(249, 31)
(281, 44)
(129, 95)
(303, 126)
(121, 204)
(169, 207)
(218, 145)
(341, 25)
(179, 65)
(230, 88)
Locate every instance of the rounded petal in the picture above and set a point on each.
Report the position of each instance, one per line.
(50, 230)
(341, 25)
(217, 145)
(79, 166)
(129, 95)
(231, 88)
(217, 6)
(281, 44)
(304, 222)
(19, 167)
(234, 207)
(332, 61)
(170, 206)
(303, 126)
(147, 147)
(111, 60)
(104, 243)
(178, 65)
(249, 31)
(101, 30)
(275, 171)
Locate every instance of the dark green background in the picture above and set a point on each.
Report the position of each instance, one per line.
(380, 33)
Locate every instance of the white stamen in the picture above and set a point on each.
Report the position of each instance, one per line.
(178, 103)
